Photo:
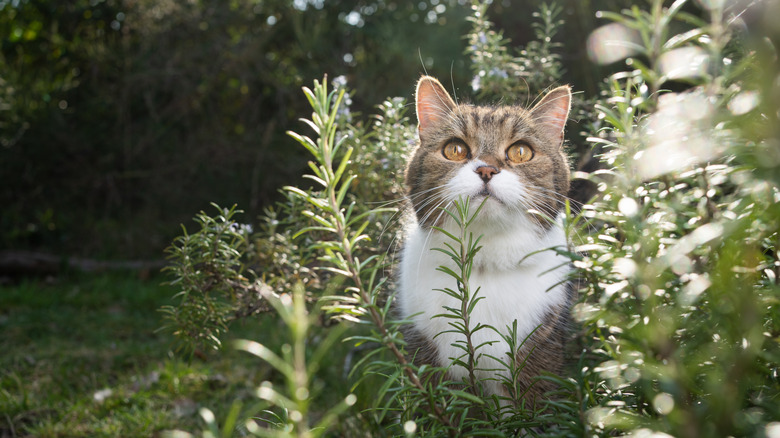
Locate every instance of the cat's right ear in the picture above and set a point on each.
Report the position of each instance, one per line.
(433, 103)
(552, 112)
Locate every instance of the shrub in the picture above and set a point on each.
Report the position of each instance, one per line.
(676, 256)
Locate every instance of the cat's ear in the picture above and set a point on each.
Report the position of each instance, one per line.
(551, 112)
(433, 103)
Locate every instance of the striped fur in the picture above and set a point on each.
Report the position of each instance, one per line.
(518, 281)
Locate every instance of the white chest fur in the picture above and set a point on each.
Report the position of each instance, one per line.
(515, 286)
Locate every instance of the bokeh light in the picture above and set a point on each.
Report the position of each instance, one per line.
(613, 42)
(676, 135)
(685, 62)
(743, 103)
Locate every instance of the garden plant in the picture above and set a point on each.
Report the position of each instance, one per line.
(676, 328)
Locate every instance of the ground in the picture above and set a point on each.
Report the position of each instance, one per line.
(82, 355)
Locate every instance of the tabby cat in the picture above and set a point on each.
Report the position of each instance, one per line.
(514, 158)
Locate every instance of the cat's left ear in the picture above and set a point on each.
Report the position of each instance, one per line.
(551, 113)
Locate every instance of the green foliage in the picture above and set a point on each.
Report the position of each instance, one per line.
(498, 74)
(343, 254)
(208, 267)
(676, 256)
(82, 357)
(381, 155)
(463, 257)
(680, 294)
(294, 400)
(121, 118)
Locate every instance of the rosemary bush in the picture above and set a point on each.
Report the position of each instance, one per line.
(678, 320)
(498, 74)
(680, 294)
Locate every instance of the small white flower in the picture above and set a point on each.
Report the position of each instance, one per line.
(101, 395)
(476, 83)
(340, 81)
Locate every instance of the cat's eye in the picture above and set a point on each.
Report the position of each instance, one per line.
(519, 153)
(455, 151)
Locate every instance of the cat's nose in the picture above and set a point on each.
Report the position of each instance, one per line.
(486, 172)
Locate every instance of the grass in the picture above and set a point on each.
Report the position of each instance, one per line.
(82, 356)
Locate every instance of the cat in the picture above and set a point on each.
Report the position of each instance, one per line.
(513, 157)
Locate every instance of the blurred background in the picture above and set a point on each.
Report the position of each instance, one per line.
(121, 119)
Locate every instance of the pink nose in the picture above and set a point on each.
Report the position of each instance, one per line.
(486, 172)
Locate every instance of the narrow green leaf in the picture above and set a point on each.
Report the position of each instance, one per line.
(375, 211)
(344, 188)
(310, 96)
(335, 270)
(266, 354)
(445, 232)
(343, 164)
(316, 179)
(335, 107)
(312, 125)
(465, 395)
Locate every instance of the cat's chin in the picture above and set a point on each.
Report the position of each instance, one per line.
(486, 197)
(498, 213)
(492, 207)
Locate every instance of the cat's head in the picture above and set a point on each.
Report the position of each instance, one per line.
(510, 154)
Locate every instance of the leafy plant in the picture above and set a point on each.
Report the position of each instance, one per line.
(208, 266)
(680, 295)
(344, 233)
(678, 320)
(497, 74)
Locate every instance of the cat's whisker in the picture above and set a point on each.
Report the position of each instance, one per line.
(414, 196)
(421, 209)
(408, 198)
(424, 219)
(551, 205)
(427, 201)
(385, 204)
(550, 211)
(393, 219)
(539, 205)
(526, 210)
(439, 187)
(544, 198)
(557, 195)
(460, 119)
(579, 206)
(426, 205)
(390, 225)
(527, 96)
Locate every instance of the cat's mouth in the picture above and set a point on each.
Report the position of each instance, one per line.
(487, 193)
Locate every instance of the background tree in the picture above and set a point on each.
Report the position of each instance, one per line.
(120, 118)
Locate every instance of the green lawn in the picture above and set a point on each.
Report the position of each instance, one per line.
(82, 356)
